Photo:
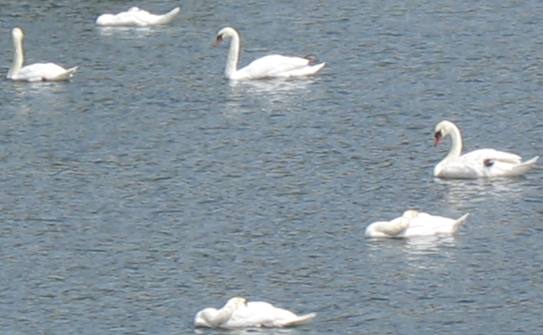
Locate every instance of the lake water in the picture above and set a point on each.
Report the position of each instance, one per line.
(150, 187)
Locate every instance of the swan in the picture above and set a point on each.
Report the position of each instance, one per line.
(238, 313)
(478, 163)
(271, 66)
(136, 17)
(37, 71)
(414, 223)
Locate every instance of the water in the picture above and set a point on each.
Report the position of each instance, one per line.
(149, 187)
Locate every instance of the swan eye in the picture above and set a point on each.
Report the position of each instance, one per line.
(437, 137)
(219, 38)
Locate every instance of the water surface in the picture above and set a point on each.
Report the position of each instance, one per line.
(150, 187)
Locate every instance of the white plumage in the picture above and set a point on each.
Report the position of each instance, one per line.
(478, 163)
(238, 313)
(272, 66)
(414, 223)
(34, 72)
(136, 17)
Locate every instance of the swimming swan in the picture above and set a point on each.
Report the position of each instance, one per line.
(238, 313)
(136, 17)
(414, 223)
(478, 163)
(271, 66)
(34, 72)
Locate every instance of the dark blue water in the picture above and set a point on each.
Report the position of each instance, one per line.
(150, 187)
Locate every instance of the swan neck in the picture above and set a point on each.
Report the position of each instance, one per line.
(223, 315)
(456, 146)
(233, 57)
(18, 57)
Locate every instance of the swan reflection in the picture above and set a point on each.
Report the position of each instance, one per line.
(275, 95)
(251, 331)
(271, 86)
(466, 193)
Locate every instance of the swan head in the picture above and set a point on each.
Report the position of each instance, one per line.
(235, 302)
(442, 129)
(17, 33)
(224, 33)
(410, 214)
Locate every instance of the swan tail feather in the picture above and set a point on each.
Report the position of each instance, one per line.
(523, 167)
(168, 17)
(301, 320)
(460, 222)
(307, 70)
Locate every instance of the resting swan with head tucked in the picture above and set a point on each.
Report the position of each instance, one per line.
(478, 163)
(238, 313)
(414, 223)
(271, 66)
(136, 17)
(37, 71)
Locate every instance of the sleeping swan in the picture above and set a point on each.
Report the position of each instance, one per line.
(238, 313)
(271, 66)
(414, 223)
(37, 71)
(478, 163)
(136, 17)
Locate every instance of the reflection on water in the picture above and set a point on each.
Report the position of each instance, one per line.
(270, 95)
(419, 245)
(143, 170)
(424, 245)
(128, 32)
(270, 86)
(49, 96)
(464, 193)
(248, 331)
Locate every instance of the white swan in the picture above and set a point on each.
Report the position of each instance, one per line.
(238, 313)
(34, 72)
(136, 17)
(271, 66)
(478, 163)
(414, 223)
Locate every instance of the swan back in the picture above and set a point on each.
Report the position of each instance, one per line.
(238, 313)
(136, 17)
(414, 223)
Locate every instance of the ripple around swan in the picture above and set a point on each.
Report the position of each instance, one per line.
(149, 186)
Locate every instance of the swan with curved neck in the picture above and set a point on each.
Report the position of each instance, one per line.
(414, 223)
(271, 66)
(37, 71)
(136, 17)
(478, 163)
(238, 313)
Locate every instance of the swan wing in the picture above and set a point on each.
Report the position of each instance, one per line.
(426, 225)
(136, 17)
(263, 314)
(483, 154)
(277, 66)
(484, 163)
(44, 72)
